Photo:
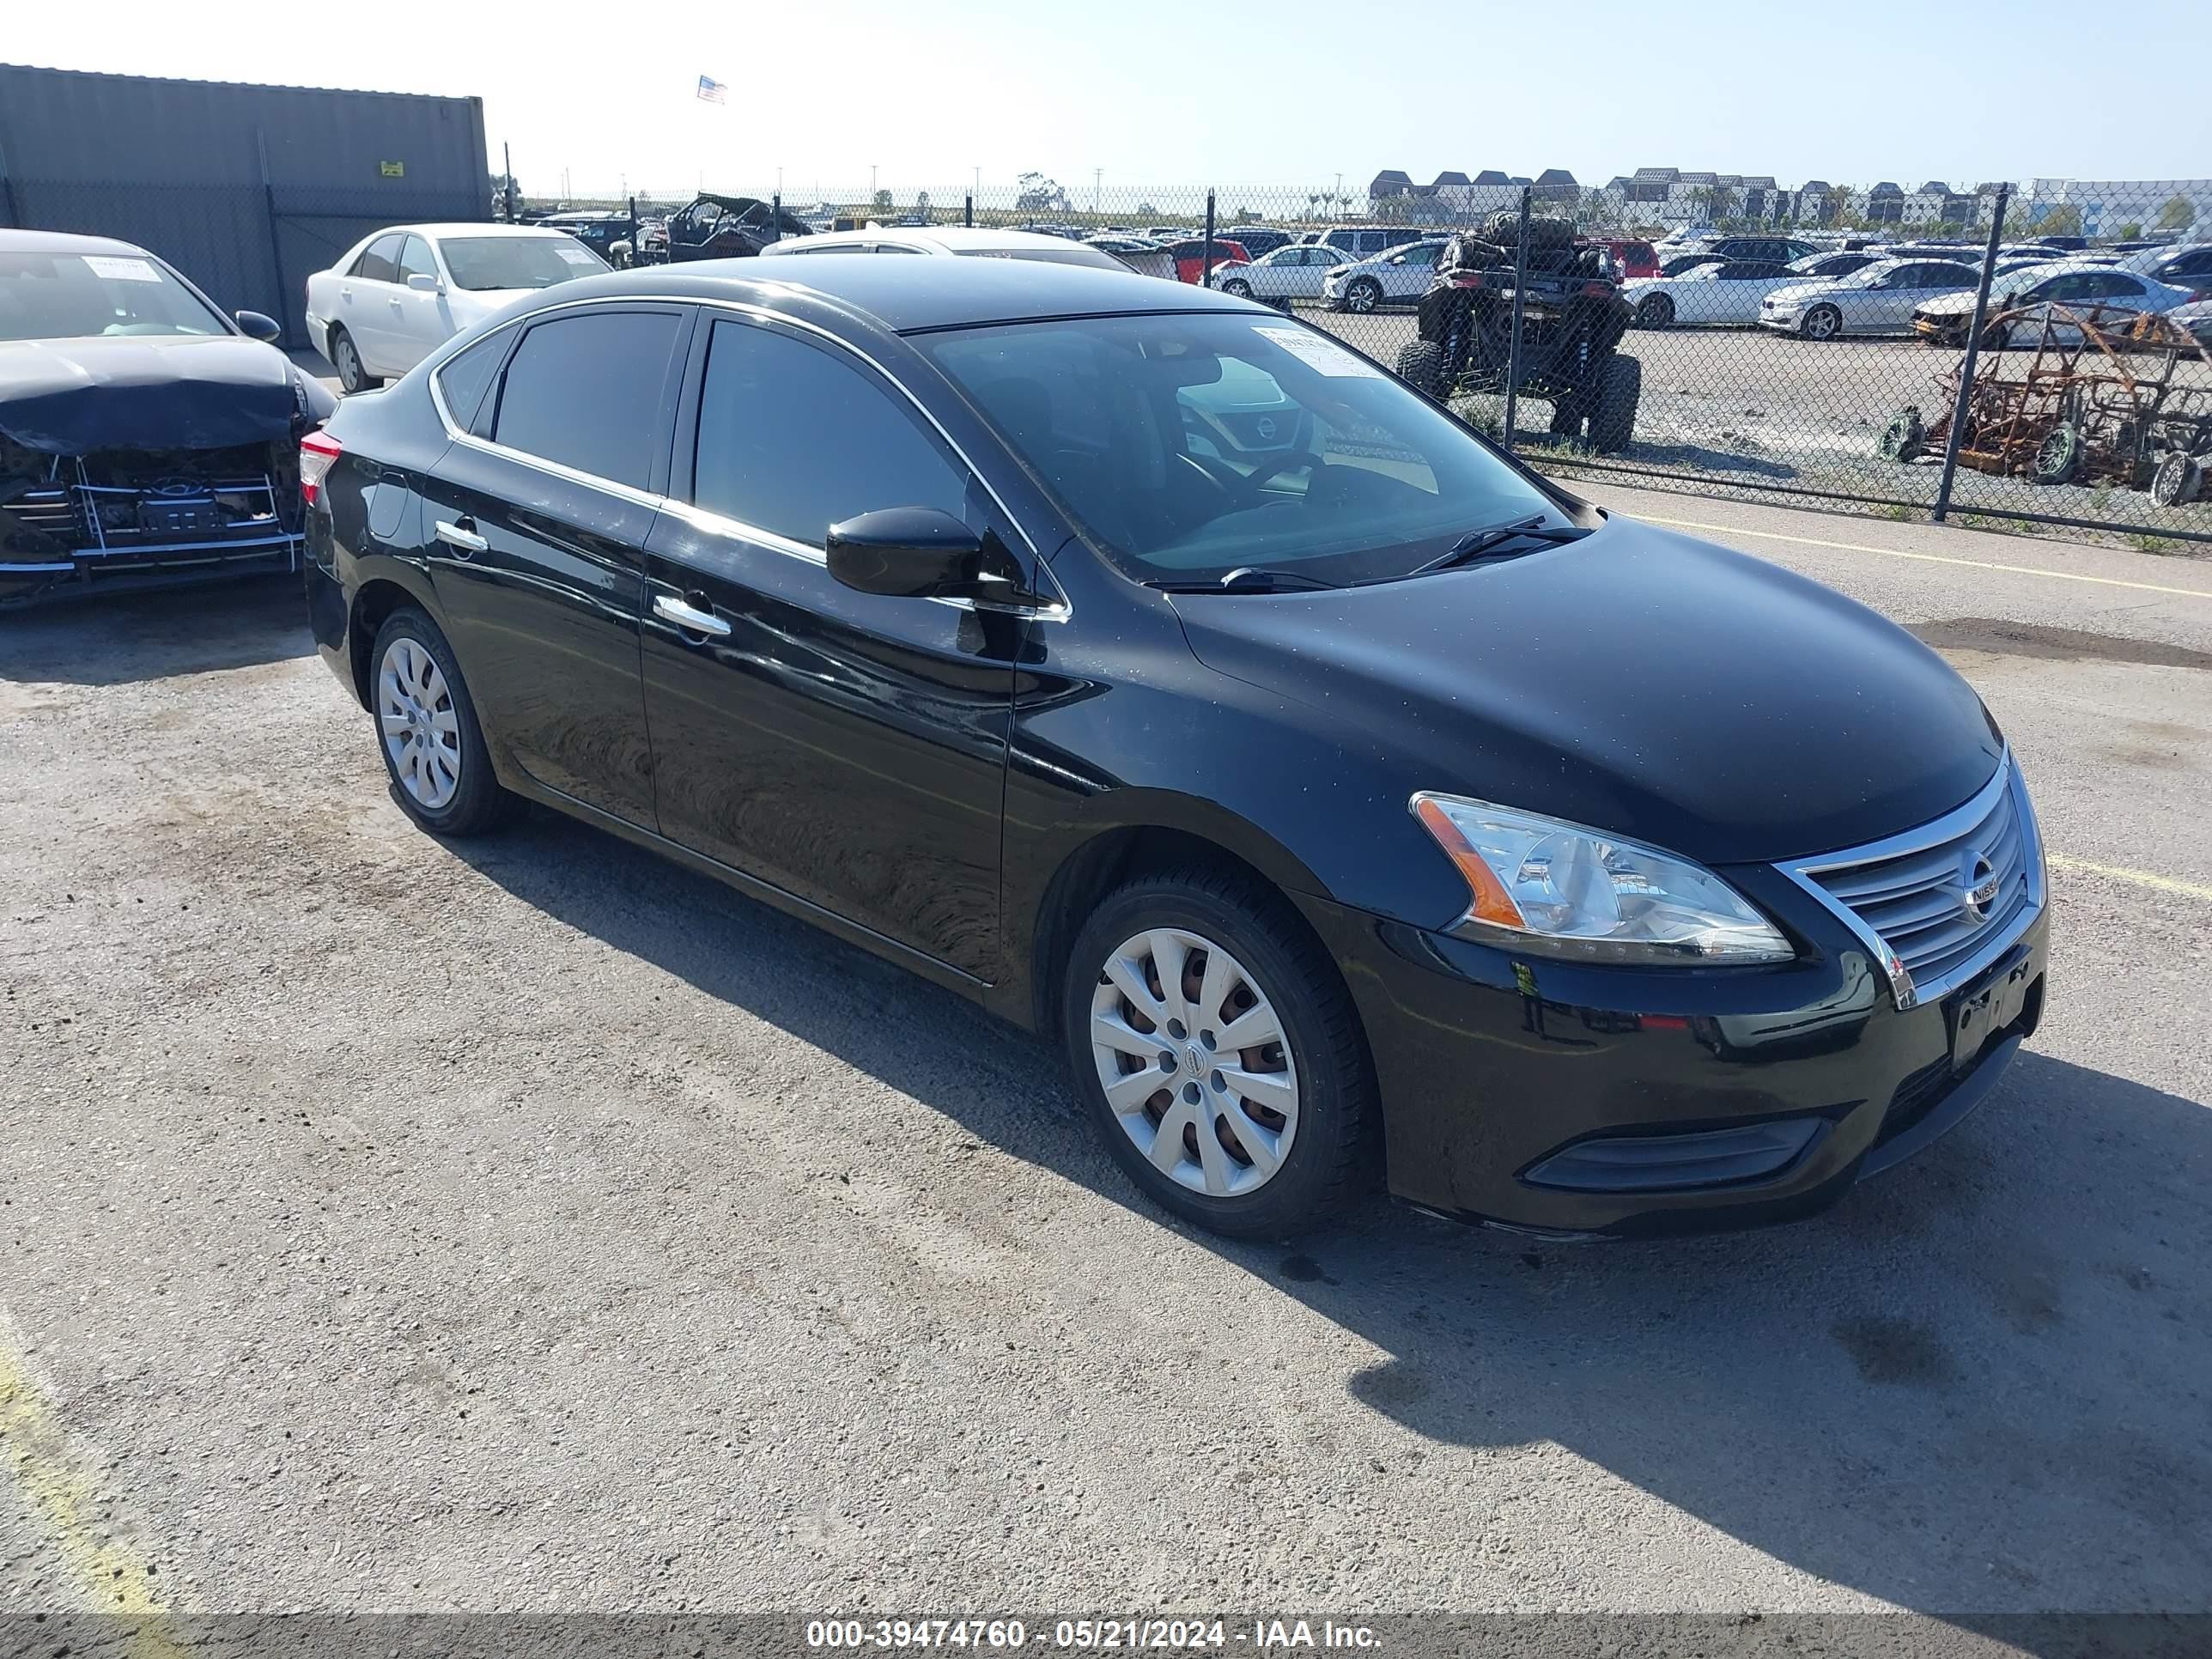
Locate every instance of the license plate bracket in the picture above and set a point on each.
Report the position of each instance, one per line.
(191, 517)
(1976, 1013)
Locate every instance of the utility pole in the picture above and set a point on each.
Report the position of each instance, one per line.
(872, 183)
(1096, 175)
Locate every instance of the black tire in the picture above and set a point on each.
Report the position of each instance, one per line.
(1362, 295)
(1822, 322)
(1237, 286)
(478, 803)
(346, 357)
(1995, 337)
(1655, 311)
(1567, 418)
(1421, 366)
(1612, 404)
(2177, 481)
(1334, 1153)
(2058, 457)
(1904, 438)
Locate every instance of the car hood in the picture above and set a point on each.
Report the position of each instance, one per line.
(142, 391)
(1636, 680)
(1815, 287)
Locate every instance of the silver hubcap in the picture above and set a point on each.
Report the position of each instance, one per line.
(349, 363)
(422, 734)
(1823, 325)
(1195, 1062)
(1361, 298)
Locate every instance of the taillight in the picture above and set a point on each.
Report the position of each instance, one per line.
(1597, 290)
(318, 451)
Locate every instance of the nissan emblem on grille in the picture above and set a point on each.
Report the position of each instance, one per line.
(1978, 878)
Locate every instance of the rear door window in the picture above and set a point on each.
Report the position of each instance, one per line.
(380, 260)
(584, 392)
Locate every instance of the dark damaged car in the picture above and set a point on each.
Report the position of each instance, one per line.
(146, 439)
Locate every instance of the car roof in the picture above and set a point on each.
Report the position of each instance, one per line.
(910, 295)
(61, 241)
(954, 239)
(464, 227)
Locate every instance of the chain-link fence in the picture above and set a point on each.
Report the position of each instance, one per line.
(2011, 357)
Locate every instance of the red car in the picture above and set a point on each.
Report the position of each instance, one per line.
(1634, 258)
(1189, 256)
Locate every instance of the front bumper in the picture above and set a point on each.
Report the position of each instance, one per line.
(1568, 1099)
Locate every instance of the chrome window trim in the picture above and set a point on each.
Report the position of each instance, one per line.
(720, 524)
(1907, 992)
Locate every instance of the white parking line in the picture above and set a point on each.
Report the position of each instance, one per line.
(1925, 559)
(2140, 878)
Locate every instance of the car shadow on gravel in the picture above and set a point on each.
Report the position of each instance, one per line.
(113, 639)
(1978, 1384)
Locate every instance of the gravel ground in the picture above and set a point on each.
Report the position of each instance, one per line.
(533, 1225)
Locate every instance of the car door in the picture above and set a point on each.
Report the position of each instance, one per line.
(365, 304)
(540, 512)
(847, 748)
(421, 319)
(2192, 271)
(1408, 273)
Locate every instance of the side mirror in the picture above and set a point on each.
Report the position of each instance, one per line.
(916, 553)
(423, 282)
(257, 326)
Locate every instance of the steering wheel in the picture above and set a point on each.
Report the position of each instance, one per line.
(1298, 453)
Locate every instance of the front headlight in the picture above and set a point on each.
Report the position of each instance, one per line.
(1560, 890)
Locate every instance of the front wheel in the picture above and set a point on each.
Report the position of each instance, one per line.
(1237, 286)
(428, 733)
(1821, 323)
(1363, 295)
(1655, 311)
(1219, 1054)
(1612, 405)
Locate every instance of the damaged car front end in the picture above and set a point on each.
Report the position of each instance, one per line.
(146, 439)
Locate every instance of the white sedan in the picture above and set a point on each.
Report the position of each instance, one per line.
(393, 297)
(2104, 290)
(1727, 293)
(1295, 272)
(1400, 274)
(1876, 298)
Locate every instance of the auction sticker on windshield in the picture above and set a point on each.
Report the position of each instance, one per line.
(578, 256)
(1317, 352)
(122, 270)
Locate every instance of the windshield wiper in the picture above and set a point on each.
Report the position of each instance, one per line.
(1483, 543)
(1247, 580)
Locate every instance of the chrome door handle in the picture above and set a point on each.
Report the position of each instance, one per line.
(690, 617)
(467, 540)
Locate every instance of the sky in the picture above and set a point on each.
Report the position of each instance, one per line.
(1124, 98)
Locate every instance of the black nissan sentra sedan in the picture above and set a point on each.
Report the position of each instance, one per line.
(1352, 804)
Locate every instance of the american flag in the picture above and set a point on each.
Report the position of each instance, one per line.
(713, 91)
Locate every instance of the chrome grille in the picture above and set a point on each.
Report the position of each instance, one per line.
(1941, 901)
(49, 509)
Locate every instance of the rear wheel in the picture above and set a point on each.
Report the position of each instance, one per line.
(1421, 366)
(1655, 311)
(1821, 323)
(1237, 286)
(1219, 1054)
(1362, 295)
(346, 357)
(426, 730)
(2058, 457)
(1612, 404)
(1567, 418)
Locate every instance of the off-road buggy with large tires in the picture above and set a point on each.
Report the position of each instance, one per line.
(1572, 318)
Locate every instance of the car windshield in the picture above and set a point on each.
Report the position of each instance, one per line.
(59, 296)
(1190, 447)
(479, 263)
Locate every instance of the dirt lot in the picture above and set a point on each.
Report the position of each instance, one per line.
(533, 1225)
